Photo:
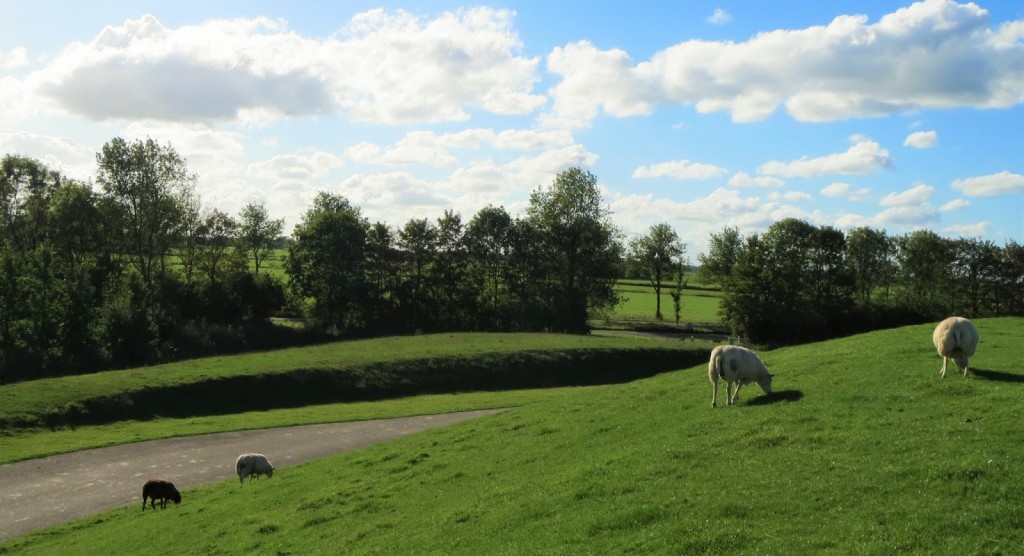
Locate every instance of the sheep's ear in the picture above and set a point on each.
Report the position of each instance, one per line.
(771, 375)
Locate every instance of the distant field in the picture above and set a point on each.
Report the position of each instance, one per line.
(700, 303)
(863, 449)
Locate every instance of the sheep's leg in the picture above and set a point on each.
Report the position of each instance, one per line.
(942, 371)
(714, 393)
(143, 503)
(736, 393)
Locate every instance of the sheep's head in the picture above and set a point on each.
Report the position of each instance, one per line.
(766, 384)
(270, 473)
(176, 497)
(961, 360)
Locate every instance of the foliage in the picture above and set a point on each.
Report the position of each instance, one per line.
(660, 257)
(798, 282)
(257, 232)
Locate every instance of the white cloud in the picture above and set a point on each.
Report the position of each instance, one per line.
(417, 147)
(836, 189)
(294, 167)
(792, 196)
(720, 17)
(918, 216)
(743, 179)
(1003, 183)
(863, 157)
(383, 67)
(680, 170)
(922, 139)
(914, 196)
(955, 204)
(58, 153)
(15, 58)
(931, 54)
(978, 229)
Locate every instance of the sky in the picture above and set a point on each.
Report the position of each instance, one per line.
(892, 115)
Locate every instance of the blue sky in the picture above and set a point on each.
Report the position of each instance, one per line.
(893, 115)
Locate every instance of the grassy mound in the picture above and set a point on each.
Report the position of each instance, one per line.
(339, 372)
(864, 449)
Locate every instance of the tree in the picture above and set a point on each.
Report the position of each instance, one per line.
(417, 241)
(489, 239)
(660, 255)
(150, 183)
(26, 186)
(925, 262)
(326, 262)
(723, 251)
(217, 233)
(258, 232)
(580, 249)
(869, 256)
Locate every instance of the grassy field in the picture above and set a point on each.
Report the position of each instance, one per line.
(700, 303)
(862, 450)
(362, 369)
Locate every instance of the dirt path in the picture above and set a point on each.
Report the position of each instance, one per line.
(49, 491)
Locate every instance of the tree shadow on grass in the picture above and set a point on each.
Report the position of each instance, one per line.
(998, 376)
(777, 396)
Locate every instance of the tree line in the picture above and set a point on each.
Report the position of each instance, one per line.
(137, 271)
(798, 282)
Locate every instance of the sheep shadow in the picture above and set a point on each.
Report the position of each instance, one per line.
(776, 397)
(998, 376)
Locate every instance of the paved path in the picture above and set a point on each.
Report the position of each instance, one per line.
(49, 491)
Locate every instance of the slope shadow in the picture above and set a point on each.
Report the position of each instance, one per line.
(998, 376)
(776, 397)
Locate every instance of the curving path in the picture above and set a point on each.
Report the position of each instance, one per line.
(49, 491)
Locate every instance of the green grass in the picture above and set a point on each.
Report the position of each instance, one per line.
(363, 369)
(700, 303)
(863, 450)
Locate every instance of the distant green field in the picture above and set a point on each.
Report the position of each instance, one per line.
(863, 449)
(700, 303)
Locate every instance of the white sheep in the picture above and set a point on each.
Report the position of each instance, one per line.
(739, 365)
(955, 338)
(253, 465)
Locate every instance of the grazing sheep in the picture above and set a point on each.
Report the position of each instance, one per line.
(955, 338)
(739, 365)
(155, 489)
(253, 465)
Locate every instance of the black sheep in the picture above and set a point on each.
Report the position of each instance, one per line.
(159, 489)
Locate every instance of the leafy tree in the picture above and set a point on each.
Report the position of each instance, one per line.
(78, 228)
(723, 251)
(974, 272)
(258, 231)
(580, 249)
(660, 254)
(383, 267)
(326, 262)
(490, 238)
(417, 241)
(26, 186)
(925, 262)
(151, 184)
(869, 255)
(451, 297)
(217, 233)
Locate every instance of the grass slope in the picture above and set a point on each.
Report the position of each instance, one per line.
(341, 371)
(864, 449)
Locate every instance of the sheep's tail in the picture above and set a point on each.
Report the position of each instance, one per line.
(238, 467)
(715, 366)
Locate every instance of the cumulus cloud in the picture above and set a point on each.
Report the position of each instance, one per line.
(15, 58)
(719, 17)
(836, 189)
(743, 179)
(680, 170)
(58, 153)
(955, 204)
(863, 157)
(930, 54)
(790, 196)
(914, 196)
(922, 139)
(1003, 183)
(294, 167)
(977, 230)
(383, 67)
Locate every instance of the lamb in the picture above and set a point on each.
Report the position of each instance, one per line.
(253, 465)
(159, 489)
(955, 338)
(738, 365)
